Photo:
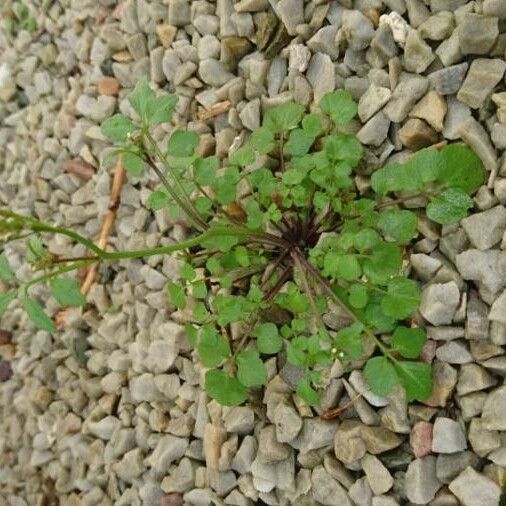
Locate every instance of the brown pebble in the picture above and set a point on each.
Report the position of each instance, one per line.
(5, 371)
(108, 86)
(416, 134)
(79, 168)
(174, 499)
(5, 336)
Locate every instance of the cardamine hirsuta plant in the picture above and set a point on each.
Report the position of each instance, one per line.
(289, 256)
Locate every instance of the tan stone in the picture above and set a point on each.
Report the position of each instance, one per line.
(108, 86)
(432, 108)
(416, 134)
(166, 34)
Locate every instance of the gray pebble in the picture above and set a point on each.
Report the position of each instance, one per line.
(486, 229)
(494, 8)
(488, 268)
(454, 352)
(179, 12)
(418, 54)
(437, 27)
(372, 101)
(483, 76)
(326, 490)
(411, 88)
(477, 138)
(375, 131)
(449, 466)
(357, 28)
(477, 33)
(494, 409)
(421, 482)
(291, 13)
(448, 436)
(439, 302)
(472, 488)
(380, 480)
(447, 81)
(214, 72)
(320, 73)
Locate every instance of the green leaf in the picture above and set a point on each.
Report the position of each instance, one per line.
(191, 334)
(348, 341)
(460, 167)
(67, 292)
(375, 316)
(251, 370)
(307, 393)
(223, 388)
(396, 177)
(262, 140)
(39, 318)
(158, 200)
(132, 163)
(299, 142)
(341, 266)
(205, 170)
(312, 124)
(358, 296)
(366, 239)
(416, 378)
(400, 225)
(177, 295)
(5, 269)
(221, 243)
(255, 215)
(384, 262)
(162, 109)
(142, 100)
(243, 156)
(117, 127)
(5, 299)
(183, 143)
(187, 272)
(268, 339)
(343, 147)
(402, 298)
(283, 117)
(408, 342)
(339, 105)
(212, 348)
(35, 249)
(449, 206)
(425, 164)
(380, 375)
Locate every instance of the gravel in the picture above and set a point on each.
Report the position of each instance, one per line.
(118, 390)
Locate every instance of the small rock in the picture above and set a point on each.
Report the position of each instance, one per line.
(444, 379)
(418, 12)
(357, 28)
(398, 26)
(395, 416)
(316, 434)
(179, 12)
(372, 101)
(447, 81)
(449, 466)
(484, 74)
(239, 419)
(326, 490)
(250, 115)
(321, 74)
(449, 50)
(421, 482)
(437, 27)
(108, 86)
(245, 455)
(439, 302)
(214, 73)
(448, 436)
(416, 134)
(477, 325)
(291, 13)
(271, 449)
(143, 388)
(454, 352)
(457, 114)
(411, 87)
(288, 423)
(214, 437)
(168, 450)
(375, 131)
(477, 33)
(380, 480)
(420, 439)
(378, 439)
(473, 378)
(498, 309)
(486, 229)
(324, 41)
(360, 492)
(477, 138)
(483, 441)
(348, 445)
(493, 411)
(486, 267)
(432, 108)
(494, 8)
(472, 488)
(418, 54)
(299, 56)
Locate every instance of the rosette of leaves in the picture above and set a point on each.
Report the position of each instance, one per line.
(289, 258)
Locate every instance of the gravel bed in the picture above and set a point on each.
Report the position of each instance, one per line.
(110, 410)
